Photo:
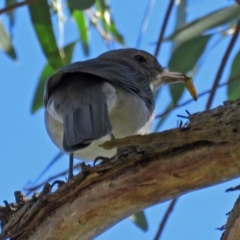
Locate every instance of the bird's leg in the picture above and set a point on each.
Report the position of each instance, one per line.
(70, 173)
(70, 170)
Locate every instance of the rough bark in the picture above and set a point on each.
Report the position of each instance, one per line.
(232, 228)
(160, 166)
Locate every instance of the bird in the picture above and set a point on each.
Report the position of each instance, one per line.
(110, 96)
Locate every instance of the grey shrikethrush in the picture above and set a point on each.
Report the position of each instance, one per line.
(112, 95)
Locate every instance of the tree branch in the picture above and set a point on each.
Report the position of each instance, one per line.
(17, 5)
(205, 153)
(165, 218)
(165, 21)
(232, 229)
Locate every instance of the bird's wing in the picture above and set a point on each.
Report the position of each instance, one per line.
(115, 73)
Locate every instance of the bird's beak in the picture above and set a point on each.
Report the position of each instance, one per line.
(167, 77)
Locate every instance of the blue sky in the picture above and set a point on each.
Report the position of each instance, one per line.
(25, 148)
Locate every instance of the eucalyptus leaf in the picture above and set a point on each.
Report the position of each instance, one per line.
(181, 14)
(37, 102)
(68, 51)
(5, 43)
(186, 55)
(176, 91)
(41, 20)
(140, 220)
(102, 4)
(198, 26)
(180, 20)
(234, 87)
(160, 121)
(119, 38)
(184, 59)
(38, 95)
(81, 4)
(83, 30)
(107, 22)
(103, 11)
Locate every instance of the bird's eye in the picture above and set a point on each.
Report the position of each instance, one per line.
(140, 58)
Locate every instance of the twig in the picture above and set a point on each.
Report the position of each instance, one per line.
(98, 27)
(51, 163)
(166, 18)
(165, 218)
(61, 174)
(144, 22)
(222, 65)
(16, 5)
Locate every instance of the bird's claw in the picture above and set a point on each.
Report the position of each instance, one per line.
(102, 159)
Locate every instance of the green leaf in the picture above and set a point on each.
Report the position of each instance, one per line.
(215, 19)
(5, 43)
(104, 15)
(115, 33)
(183, 60)
(234, 87)
(107, 22)
(180, 20)
(38, 96)
(46, 73)
(161, 120)
(181, 14)
(102, 4)
(42, 23)
(83, 30)
(68, 51)
(140, 220)
(176, 91)
(186, 55)
(81, 4)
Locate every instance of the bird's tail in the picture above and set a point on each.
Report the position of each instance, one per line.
(86, 112)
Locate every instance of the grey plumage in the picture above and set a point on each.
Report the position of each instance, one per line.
(113, 93)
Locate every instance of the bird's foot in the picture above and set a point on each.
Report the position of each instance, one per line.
(121, 155)
(59, 183)
(102, 160)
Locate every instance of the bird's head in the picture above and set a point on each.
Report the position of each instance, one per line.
(147, 64)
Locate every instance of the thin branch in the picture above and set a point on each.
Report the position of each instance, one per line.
(17, 5)
(51, 163)
(97, 26)
(165, 218)
(166, 18)
(144, 22)
(231, 80)
(222, 65)
(30, 190)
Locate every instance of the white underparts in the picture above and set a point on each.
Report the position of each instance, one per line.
(110, 93)
(52, 111)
